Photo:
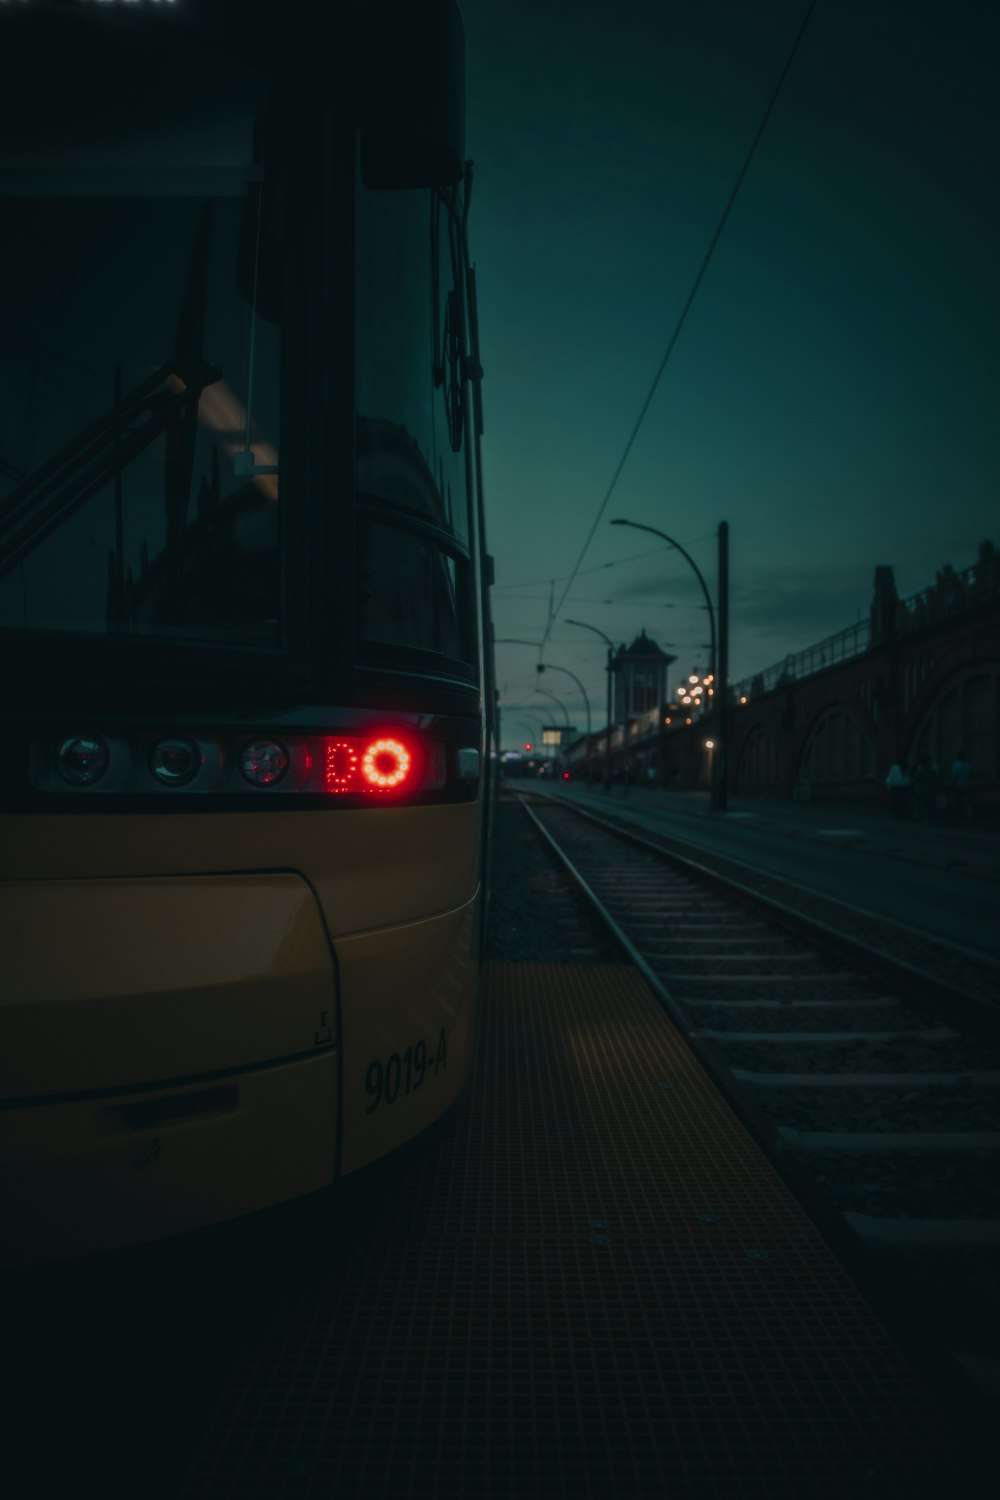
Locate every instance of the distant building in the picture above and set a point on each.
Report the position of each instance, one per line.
(640, 678)
(918, 675)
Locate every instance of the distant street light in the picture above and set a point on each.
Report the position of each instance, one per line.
(529, 720)
(546, 694)
(528, 713)
(637, 526)
(718, 662)
(510, 640)
(611, 654)
(548, 667)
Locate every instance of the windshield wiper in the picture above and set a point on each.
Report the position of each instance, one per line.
(45, 498)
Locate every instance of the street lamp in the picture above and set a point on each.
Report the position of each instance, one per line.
(511, 640)
(637, 526)
(611, 653)
(530, 720)
(548, 667)
(534, 727)
(718, 763)
(525, 724)
(546, 694)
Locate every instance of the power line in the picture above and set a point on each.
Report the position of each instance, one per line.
(537, 583)
(616, 603)
(618, 562)
(684, 312)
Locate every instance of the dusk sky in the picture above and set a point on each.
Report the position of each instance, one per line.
(833, 394)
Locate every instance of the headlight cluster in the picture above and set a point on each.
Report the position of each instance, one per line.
(370, 766)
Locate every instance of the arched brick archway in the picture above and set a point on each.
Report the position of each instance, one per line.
(838, 750)
(760, 765)
(962, 711)
(927, 674)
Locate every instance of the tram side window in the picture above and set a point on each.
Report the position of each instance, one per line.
(123, 267)
(412, 591)
(411, 459)
(410, 386)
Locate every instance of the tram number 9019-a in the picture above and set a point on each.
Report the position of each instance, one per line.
(385, 1081)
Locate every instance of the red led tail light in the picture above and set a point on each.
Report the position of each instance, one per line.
(381, 765)
(340, 766)
(385, 764)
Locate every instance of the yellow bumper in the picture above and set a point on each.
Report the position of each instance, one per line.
(115, 983)
(96, 1174)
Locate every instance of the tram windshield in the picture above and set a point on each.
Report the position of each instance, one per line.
(140, 347)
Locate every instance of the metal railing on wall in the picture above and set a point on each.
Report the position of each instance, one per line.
(952, 593)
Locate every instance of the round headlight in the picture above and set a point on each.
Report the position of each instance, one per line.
(263, 762)
(82, 759)
(175, 760)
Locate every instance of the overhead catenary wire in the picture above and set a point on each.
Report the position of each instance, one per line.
(617, 562)
(615, 603)
(554, 612)
(537, 583)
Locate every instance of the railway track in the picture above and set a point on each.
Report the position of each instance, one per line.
(875, 1084)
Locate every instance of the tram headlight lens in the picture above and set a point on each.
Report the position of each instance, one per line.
(82, 759)
(175, 760)
(263, 762)
(385, 764)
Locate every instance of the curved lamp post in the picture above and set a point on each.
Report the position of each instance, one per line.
(534, 728)
(718, 784)
(525, 724)
(636, 526)
(548, 667)
(530, 712)
(513, 640)
(546, 694)
(611, 653)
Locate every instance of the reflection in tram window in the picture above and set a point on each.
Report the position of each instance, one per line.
(134, 361)
(410, 591)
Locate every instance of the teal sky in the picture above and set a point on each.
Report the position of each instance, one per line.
(834, 392)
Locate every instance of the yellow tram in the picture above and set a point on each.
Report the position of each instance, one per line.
(243, 598)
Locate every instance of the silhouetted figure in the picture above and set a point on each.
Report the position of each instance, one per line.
(899, 790)
(925, 788)
(961, 788)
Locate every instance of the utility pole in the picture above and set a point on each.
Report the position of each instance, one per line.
(722, 675)
(610, 665)
(718, 654)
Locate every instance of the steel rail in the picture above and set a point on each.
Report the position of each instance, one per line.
(923, 991)
(863, 1256)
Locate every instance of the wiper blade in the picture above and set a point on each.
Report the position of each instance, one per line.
(66, 481)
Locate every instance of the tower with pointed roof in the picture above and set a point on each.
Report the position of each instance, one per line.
(640, 678)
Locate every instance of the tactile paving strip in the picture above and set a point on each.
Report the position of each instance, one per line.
(595, 1286)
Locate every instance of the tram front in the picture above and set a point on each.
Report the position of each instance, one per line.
(242, 605)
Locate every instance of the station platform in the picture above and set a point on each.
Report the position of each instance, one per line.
(592, 1285)
(974, 848)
